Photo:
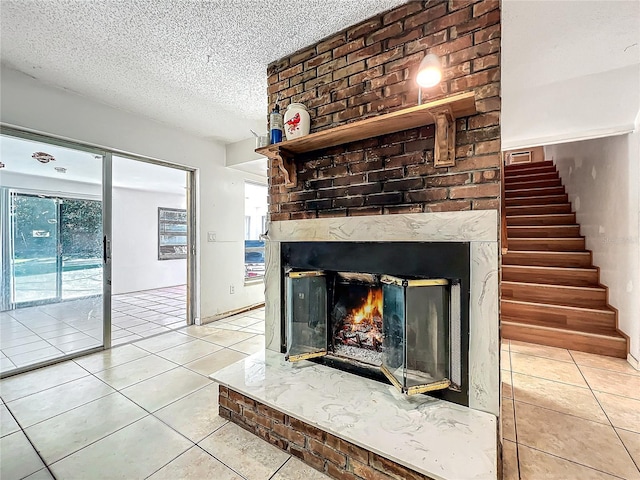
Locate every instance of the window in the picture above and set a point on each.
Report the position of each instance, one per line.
(172, 233)
(255, 219)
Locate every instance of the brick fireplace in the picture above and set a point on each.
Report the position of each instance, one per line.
(386, 190)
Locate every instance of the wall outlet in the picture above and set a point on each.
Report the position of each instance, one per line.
(232, 289)
(211, 236)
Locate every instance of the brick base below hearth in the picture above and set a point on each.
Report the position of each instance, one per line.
(321, 450)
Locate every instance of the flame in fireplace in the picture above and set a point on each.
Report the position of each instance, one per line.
(371, 308)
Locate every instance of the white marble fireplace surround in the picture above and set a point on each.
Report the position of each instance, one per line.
(479, 228)
(440, 439)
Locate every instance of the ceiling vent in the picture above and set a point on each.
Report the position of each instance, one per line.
(43, 157)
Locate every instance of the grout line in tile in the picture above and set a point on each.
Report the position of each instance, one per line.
(574, 462)
(609, 419)
(515, 422)
(280, 467)
(546, 358)
(552, 380)
(96, 441)
(218, 459)
(30, 443)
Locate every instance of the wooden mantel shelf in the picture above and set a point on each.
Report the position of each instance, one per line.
(442, 113)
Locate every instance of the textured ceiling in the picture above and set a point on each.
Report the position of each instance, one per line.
(199, 66)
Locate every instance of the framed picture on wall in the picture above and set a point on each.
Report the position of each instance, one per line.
(172, 233)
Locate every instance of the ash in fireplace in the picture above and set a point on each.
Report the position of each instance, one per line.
(360, 354)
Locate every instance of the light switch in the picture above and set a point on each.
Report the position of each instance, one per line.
(211, 236)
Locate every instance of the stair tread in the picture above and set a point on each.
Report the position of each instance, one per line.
(539, 197)
(553, 305)
(541, 268)
(582, 330)
(543, 197)
(540, 215)
(551, 285)
(518, 166)
(550, 252)
(540, 205)
(515, 186)
(547, 238)
(559, 225)
(547, 175)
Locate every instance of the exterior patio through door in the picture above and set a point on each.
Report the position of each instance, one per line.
(56, 248)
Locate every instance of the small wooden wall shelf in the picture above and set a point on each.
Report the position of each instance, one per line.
(442, 113)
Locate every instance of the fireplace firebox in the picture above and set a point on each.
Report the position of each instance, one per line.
(404, 321)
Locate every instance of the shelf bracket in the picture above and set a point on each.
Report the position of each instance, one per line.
(286, 163)
(445, 144)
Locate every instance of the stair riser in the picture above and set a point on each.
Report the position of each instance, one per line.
(539, 209)
(539, 200)
(554, 316)
(546, 259)
(531, 177)
(547, 244)
(528, 166)
(533, 220)
(611, 346)
(529, 171)
(536, 184)
(576, 297)
(553, 276)
(546, 231)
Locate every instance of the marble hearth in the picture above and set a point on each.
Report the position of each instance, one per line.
(437, 439)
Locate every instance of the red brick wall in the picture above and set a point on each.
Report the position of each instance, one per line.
(327, 453)
(369, 69)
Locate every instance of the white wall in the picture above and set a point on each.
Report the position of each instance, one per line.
(48, 184)
(27, 103)
(602, 178)
(135, 264)
(570, 70)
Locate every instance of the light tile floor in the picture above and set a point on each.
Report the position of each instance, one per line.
(148, 410)
(568, 415)
(34, 334)
(142, 410)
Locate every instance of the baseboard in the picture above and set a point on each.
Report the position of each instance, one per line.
(220, 316)
(633, 361)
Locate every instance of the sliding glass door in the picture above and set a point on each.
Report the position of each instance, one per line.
(55, 256)
(35, 243)
(56, 248)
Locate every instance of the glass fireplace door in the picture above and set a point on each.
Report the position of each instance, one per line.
(416, 346)
(306, 294)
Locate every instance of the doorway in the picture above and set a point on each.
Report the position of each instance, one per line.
(58, 251)
(54, 199)
(151, 226)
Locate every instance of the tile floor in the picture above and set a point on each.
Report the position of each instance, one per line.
(142, 410)
(148, 410)
(142, 314)
(34, 334)
(568, 415)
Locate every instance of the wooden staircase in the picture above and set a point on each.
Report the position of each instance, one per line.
(551, 292)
